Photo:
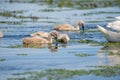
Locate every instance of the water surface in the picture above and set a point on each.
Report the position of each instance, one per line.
(19, 20)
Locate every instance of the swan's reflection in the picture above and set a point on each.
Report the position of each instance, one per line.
(52, 47)
(35, 45)
(109, 54)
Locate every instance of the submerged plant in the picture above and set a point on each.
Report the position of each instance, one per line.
(17, 78)
(92, 30)
(65, 3)
(107, 71)
(72, 52)
(22, 54)
(2, 59)
(15, 46)
(58, 74)
(11, 22)
(112, 53)
(84, 55)
(6, 14)
(50, 1)
(92, 43)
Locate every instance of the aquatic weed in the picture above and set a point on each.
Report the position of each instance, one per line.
(6, 14)
(72, 52)
(84, 55)
(107, 71)
(23, 78)
(92, 42)
(2, 59)
(15, 46)
(65, 3)
(58, 74)
(11, 22)
(112, 53)
(49, 1)
(22, 54)
(92, 30)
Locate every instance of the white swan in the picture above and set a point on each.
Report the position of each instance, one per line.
(68, 27)
(1, 34)
(114, 25)
(118, 17)
(110, 35)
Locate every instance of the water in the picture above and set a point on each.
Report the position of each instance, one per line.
(19, 20)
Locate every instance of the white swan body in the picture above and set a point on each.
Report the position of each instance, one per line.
(118, 17)
(110, 35)
(114, 25)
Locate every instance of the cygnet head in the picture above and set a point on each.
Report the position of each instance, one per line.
(81, 23)
(54, 34)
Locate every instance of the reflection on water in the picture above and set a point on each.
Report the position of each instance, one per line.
(55, 47)
(110, 54)
(38, 45)
(51, 47)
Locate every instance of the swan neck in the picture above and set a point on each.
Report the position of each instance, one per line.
(50, 40)
(103, 30)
